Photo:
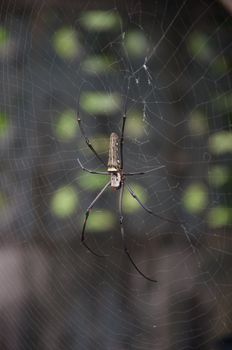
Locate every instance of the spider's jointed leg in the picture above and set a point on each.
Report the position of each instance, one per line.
(123, 123)
(123, 237)
(148, 210)
(144, 172)
(86, 219)
(91, 171)
(88, 142)
(122, 139)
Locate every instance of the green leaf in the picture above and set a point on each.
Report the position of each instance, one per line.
(66, 126)
(100, 21)
(100, 103)
(66, 43)
(195, 198)
(130, 205)
(100, 221)
(221, 142)
(64, 201)
(219, 216)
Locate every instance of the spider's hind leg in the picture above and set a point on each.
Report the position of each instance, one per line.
(123, 237)
(86, 219)
(148, 210)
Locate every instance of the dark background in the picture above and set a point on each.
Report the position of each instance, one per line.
(53, 293)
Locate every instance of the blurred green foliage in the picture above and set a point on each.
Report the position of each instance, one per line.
(219, 216)
(206, 51)
(100, 103)
(97, 64)
(92, 182)
(195, 198)
(103, 220)
(221, 142)
(220, 65)
(198, 123)
(64, 201)
(219, 175)
(66, 43)
(136, 44)
(199, 47)
(135, 125)
(100, 21)
(4, 124)
(66, 125)
(223, 103)
(4, 37)
(3, 200)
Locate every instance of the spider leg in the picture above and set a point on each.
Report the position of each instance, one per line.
(150, 211)
(123, 125)
(123, 236)
(86, 219)
(91, 171)
(122, 139)
(144, 172)
(88, 142)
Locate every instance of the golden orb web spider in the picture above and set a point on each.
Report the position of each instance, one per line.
(117, 181)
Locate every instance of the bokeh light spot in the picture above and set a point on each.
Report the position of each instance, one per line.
(195, 198)
(92, 182)
(4, 125)
(103, 220)
(218, 175)
(100, 103)
(64, 201)
(221, 142)
(66, 43)
(66, 126)
(219, 216)
(100, 21)
(136, 44)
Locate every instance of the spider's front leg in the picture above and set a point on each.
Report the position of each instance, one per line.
(88, 143)
(91, 171)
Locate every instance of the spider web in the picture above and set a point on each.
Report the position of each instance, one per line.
(167, 65)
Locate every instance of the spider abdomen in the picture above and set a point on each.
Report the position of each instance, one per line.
(114, 161)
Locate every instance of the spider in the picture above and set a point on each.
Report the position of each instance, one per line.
(115, 169)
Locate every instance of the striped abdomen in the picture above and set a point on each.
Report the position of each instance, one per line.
(114, 161)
